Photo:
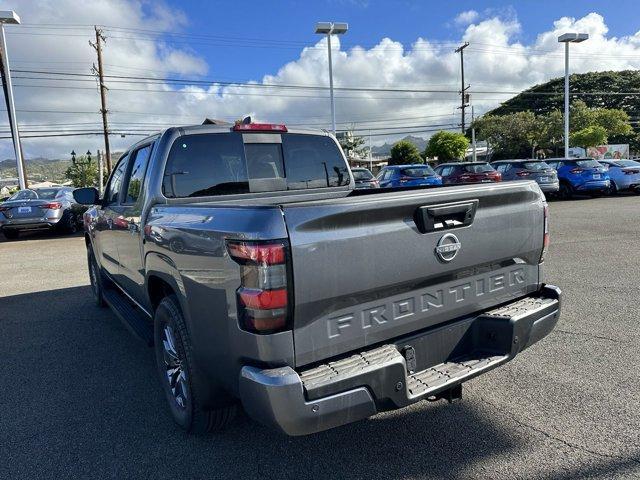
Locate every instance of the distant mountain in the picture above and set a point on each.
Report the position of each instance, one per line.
(385, 149)
(38, 169)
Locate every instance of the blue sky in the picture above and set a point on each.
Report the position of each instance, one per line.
(369, 21)
(392, 50)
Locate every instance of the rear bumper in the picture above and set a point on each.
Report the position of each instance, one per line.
(551, 187)
(593, 186)
(397, 374)
(30, 223)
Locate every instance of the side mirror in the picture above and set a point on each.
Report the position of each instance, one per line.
(86, 196)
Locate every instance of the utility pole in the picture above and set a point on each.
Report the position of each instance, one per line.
(9, 18)
(100, 172)
(473, 134)
(463, 95)
(103, 93)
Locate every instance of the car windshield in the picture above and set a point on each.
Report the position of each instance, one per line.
(588, 164)
(362, 174)
(417, 172)
(536, 166)
(478, 168)
(627, 163)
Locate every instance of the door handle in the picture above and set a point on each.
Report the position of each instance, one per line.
(431, 218)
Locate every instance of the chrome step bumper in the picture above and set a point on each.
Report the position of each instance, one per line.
(391, 376)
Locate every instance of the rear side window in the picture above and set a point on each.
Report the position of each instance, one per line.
(221, 164)
(417, 172)
(480, 168)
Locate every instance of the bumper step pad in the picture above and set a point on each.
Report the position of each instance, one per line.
(423, 383)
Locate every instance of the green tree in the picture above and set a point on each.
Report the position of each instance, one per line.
(353, 145)
(591, 136)
(447, 146)
(404, 153)
(83, 172)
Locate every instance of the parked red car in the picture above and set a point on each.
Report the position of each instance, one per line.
(467, 172)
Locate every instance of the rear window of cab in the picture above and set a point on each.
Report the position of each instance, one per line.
(223, 164)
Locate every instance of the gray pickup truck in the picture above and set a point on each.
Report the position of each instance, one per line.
(262, 277)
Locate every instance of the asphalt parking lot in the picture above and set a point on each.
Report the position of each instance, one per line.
(80, 396)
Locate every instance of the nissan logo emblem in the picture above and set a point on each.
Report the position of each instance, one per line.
(448, 247)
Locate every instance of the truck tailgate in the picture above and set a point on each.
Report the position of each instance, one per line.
(367, 268)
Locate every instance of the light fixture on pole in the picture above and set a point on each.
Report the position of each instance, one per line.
(11, 18)
(328, 29)
(568, 38)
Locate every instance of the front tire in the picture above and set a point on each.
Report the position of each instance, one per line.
(181, 380)
(95, 277)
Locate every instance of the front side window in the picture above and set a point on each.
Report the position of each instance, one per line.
(115, 183)
(138, 169)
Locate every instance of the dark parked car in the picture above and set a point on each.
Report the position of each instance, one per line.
(408, 176)
(364, 178)
(537, 170)
(40, 209)
(580, 175)
(243, 255)
(467, 172)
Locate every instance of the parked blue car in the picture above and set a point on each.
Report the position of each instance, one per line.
(580, 176)
(624, 175)
(408, 176)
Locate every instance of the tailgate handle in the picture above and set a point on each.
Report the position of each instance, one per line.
(432, 218)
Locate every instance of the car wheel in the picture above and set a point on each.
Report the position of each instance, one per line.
(69, 222)
(566, 192)
(95, 279)
(181, 380)
(612, 190)
(11, 234)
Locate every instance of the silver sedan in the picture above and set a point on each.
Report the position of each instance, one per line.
(40, 209)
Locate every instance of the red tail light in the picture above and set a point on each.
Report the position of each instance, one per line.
(465, 177)
(4, 209)
(263, 296)
(497, 176)
(260, 127)
(577, 170)
(547, 238)
(52, 205)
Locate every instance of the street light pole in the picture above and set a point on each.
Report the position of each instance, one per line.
(11, 18)
(328, 29)
(568, 38)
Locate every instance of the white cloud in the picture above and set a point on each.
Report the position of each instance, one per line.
(467, 17)
(495, 61)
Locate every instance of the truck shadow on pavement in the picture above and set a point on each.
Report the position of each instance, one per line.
(81, 399)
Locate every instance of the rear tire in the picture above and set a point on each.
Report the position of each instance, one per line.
(11, 234)
(566, 191)
(181, 380)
